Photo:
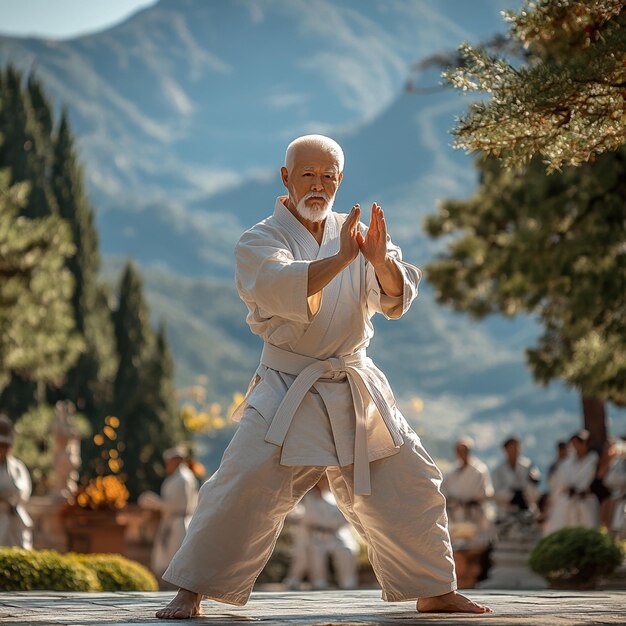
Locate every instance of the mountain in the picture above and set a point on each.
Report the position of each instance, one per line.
(187, 96)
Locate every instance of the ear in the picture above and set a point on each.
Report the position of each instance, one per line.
(340, 179)
(284, 175)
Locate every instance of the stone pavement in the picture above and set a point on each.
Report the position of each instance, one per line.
(347, 608)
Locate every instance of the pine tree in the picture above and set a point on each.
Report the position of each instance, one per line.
(553, 246)
(37, 334)
(565, 102)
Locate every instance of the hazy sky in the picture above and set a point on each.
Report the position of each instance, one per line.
(61, 19)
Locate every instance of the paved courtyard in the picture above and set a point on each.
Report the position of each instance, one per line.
(354, 608)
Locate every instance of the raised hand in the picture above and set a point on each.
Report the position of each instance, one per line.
(374, 245)
(348, 238)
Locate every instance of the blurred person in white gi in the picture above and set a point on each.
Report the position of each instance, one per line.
(15, 490)
(322, 533)
(468, 490)
(312, 279)
(615, 480)
(515, 481)
(176, 504)
(545, 503)
(574, 504)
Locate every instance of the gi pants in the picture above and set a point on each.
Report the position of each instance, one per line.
(241, 511)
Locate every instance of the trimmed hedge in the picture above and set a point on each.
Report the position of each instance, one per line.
(117, 573)
(27, 570)
(576, 557)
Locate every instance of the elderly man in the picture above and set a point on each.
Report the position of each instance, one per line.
(176, 504)
(312, 279)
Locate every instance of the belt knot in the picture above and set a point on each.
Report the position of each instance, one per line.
(337, 364)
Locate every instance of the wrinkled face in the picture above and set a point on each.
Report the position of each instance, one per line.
(312, 182)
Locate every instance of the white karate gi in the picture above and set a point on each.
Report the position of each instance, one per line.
(322, 531)
(177, 502)
(577, 474)
(15, 490)
(317, 403)
(507, 480)
(467, 489)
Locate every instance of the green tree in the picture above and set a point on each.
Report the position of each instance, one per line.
(89, 383)
(26, 149)
(38, 340)
(552, 246)
(143, 390)
(566, 101)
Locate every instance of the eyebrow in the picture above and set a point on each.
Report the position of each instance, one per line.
(330, 169)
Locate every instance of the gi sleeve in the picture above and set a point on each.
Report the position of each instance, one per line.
(392, 307)
(268, 277)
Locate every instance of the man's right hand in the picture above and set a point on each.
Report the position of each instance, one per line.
(322, 271)
(348, 242)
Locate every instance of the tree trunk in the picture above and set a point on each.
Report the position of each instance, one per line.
(595, 421)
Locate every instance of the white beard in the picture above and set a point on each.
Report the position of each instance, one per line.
(315, 214)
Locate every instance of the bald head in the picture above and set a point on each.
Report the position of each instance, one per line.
(308, 143)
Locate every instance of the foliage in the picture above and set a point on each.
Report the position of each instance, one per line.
(576, 556)
(566, 102)
(37, 333)
(103, 493)
(549, 245)
(27, 570)
(116, 573)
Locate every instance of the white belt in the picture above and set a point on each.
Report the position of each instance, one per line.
(308, 371)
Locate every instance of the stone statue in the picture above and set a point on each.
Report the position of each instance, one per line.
(66, 456)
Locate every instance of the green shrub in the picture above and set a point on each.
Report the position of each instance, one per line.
(576, 557)
(117, 573)
(26, 570)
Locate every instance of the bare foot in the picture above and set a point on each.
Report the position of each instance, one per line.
(186, 604)
(452, 602)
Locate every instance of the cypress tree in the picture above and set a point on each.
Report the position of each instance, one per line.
(161, 377)
(26, 148)
(143, 397)
(86, 382)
